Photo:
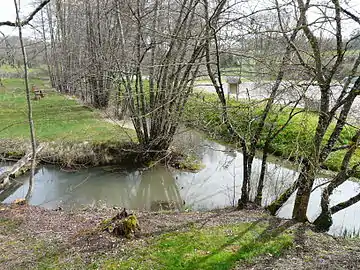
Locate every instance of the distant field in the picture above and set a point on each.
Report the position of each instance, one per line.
(55, 116)
(7, 71)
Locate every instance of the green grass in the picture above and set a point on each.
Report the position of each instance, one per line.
(56, 117)
(217, 248)
(16, 72)
(295, 141)
(9, 68)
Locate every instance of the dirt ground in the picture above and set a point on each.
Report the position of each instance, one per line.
(28, 233)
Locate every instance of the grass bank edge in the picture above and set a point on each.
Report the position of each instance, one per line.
(203, 112)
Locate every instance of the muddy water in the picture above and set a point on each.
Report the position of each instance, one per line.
(217, 185)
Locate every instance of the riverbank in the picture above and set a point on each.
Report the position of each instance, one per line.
(35, 238)
(73, 134)
(203, 112)
(77, 136)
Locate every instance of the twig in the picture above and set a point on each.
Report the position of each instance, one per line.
(28, 19)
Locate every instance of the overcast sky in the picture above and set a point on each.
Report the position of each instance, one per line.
(7, 13)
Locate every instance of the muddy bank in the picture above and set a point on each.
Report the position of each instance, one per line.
(77, 154)
(31, 236)
(72, 156)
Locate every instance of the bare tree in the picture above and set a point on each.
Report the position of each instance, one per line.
(145, 53)
(28, 19)
(27, 90)
(323, 68)
(249, 141)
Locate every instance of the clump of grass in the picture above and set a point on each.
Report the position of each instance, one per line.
(187, 162)
(208, 248)
(190, 163)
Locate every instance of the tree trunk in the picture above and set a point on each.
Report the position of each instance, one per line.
(244, 199)
(306, 181)
(30, 118)
(260, 187)
(279, 202)
(324, 221)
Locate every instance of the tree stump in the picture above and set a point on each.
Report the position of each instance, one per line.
(122, 225)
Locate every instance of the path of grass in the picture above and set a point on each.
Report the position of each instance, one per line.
(56, 117)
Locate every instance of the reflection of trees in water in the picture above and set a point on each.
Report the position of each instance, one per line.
(156, 184)
(48, 187)
(98, 187)
(277, 179)
(188, 142)
(136, 189)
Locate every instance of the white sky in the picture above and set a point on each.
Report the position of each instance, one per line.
(7, 13)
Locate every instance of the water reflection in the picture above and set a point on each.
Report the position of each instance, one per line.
(133, 189)
(216, 186)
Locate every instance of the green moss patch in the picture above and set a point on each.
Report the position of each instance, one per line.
(208, 248)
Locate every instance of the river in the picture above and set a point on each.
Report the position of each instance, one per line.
(217, 185)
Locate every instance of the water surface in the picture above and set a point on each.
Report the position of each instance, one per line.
(217, 185)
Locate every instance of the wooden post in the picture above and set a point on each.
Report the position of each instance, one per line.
(237, 92)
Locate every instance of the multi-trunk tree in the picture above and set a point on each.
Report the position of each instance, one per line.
(320, 53)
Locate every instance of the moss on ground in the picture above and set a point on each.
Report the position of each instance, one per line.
(208, 248)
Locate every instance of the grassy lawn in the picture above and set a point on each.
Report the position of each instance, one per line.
(56, 117)
(9, 68)
(9, 71)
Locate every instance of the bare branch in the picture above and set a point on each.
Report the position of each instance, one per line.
(28, 19)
